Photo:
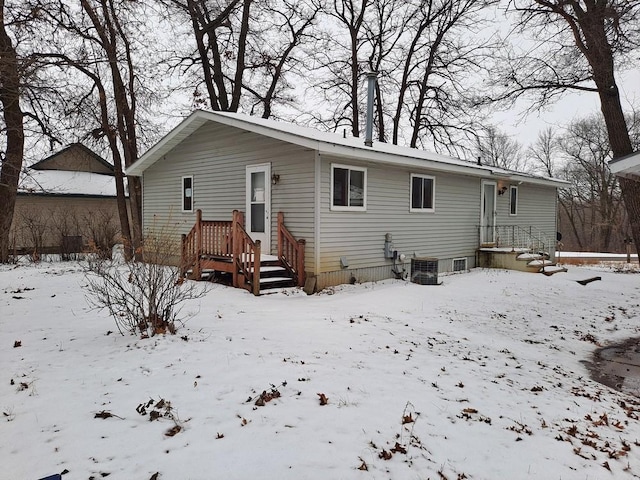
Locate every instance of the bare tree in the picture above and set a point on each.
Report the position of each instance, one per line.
(10, 84)
(580, 43)
(496, 148)
(423, 52)
(245, 50)
(543, 153)
(96, 46)
(595, 189)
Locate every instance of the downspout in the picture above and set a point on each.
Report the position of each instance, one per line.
(316, 212)
(371, 85)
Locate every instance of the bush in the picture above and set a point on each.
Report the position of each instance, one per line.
(142, 296)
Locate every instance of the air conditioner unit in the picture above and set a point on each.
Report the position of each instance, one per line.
(424, 271)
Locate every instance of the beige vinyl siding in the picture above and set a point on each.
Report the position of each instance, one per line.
(536, 208)
(48, 217)
(449, 231)
(216, 156)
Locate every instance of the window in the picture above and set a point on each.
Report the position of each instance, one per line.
(187, 194)
(423, 192)
(348, 188)
(513, 200)
(459, 264)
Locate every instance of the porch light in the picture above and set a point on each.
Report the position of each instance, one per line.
(275, 178)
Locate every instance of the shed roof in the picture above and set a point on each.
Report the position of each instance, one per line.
(46, 163)
(328, 143)
(67, 183)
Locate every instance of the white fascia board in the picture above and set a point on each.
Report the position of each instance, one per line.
(626, 166)
(437, 165)
(407, 157)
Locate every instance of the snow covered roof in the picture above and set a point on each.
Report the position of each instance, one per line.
(627, 166)
(61, 182)
(328, 143)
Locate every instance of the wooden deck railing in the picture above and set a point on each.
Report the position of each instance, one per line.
(291, 252)
(206, 237)
(189, 255)
(246, 254)
(220, 240)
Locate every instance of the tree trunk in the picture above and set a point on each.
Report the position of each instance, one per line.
(599, 54)
(631, 194)
(13, 118)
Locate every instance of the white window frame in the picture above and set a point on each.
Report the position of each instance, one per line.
(513, 211)
(182, 191)
(433, 193)
(348, 208)
(453, 264)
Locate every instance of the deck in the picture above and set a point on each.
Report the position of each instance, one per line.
(225, 246)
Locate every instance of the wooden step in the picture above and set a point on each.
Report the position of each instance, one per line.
(276, 282)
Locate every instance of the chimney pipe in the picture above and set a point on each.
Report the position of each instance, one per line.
(371, 83)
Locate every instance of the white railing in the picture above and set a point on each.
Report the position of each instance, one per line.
(518, 237)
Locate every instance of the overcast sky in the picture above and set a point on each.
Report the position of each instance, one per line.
(572, 106)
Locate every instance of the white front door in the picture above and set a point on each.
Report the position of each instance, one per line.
(258, 191)
(488, 213)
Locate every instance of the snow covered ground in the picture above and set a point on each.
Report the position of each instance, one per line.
(481, 377)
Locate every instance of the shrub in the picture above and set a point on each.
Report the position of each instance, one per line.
(143, 296)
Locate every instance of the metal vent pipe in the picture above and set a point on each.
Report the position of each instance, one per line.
(371, 84)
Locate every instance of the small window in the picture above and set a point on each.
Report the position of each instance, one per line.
(423, 192)
(459, 264)
(513, 200)
(348, 188)
(187, 194)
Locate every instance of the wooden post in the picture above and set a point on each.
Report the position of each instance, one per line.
(197, 271)
(280, 239)
(256, 269)
(183, 256)
(300, 266)
(235, 239)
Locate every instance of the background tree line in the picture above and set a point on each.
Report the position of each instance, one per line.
(114, 73)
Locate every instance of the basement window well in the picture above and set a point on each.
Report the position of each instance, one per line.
(459, 264)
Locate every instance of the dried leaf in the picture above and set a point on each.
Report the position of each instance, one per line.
(173, 431)
(154, 476)
(407, 419)
(17, 343)
(469, 411)
(398, 448)
(103, 414)
(363, 466)
(385, 455)
(323, 399)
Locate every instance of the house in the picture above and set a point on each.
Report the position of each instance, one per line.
(364, 213)
(627, 166)
(64, 202)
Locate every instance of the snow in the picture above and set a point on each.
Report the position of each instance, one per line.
(599, 256)
(62, 182)
(489, 366)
